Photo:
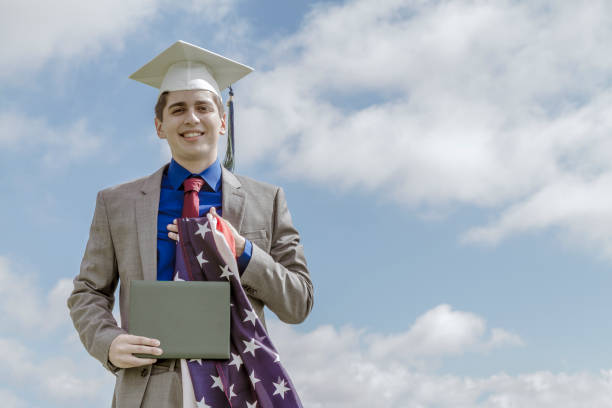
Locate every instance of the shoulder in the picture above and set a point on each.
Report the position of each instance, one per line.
(133, 188)
(261, 197)
(258, 192)
(251, 185)
(128, 186)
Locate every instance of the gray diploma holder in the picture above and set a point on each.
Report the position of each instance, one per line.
(190, 319)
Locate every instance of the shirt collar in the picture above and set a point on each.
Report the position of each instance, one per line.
(212, 175)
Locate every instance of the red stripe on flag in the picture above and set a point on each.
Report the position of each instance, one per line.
(226, 230)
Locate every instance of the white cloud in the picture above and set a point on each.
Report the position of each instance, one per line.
(10, 400)
(437, 103)
(582, 207)
(68, 379)
(331, 367)
(35, 363)
(211, 10)
(64, 29)
(55, 147)
(440, 331)
(37, 311)
(437, 333)
(501, 337)
(34, 32)
(336, 368)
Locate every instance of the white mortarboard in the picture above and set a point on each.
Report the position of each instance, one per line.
(184, 66)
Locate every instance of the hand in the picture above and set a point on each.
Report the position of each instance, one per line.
(123, 346)
(173, 230)
(239, 239)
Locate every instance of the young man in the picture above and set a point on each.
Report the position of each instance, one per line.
(132, 235)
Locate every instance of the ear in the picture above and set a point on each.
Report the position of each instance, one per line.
(223, 128)
(158, 129)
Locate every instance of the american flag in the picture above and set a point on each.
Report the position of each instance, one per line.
(254, 376)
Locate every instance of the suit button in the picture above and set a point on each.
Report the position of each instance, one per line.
(144, 372)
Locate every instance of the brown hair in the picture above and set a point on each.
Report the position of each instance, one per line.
(163, 99)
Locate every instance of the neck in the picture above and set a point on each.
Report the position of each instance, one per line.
(196, 166)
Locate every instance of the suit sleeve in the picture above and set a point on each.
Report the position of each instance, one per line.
(280, 278)
(91, 301)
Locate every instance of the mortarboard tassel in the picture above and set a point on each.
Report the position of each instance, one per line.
(228, 162)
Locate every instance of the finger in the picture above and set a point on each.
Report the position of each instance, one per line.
(172, 227)
(173, 236)
(146, 341)
(213, 210)
(138, 362)
(175, 221)
(139, 349)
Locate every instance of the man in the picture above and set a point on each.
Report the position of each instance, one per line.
(132, 234)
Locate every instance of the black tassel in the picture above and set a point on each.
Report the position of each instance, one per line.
(228, 162)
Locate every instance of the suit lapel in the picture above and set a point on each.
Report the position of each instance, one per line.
(147, 208)
(232, 199)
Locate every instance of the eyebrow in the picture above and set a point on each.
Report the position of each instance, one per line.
(182, 104)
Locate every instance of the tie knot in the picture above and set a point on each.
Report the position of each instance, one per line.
(193, 184)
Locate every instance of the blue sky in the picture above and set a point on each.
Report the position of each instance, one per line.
(447, 165)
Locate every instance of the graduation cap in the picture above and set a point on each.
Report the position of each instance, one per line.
(184, 66)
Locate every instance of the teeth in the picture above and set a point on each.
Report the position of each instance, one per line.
(191, 134)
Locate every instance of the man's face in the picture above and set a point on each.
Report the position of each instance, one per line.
(191, 125)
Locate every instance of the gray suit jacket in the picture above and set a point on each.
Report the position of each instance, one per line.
(123, 246)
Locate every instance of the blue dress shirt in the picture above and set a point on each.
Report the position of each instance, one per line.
(171, 207)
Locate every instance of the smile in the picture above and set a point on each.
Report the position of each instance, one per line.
(191, 133)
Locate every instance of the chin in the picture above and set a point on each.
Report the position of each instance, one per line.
(201, 155)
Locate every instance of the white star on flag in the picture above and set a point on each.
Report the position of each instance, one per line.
(197, 360)
(232, 393)
(177, 279)
(280, 388)
(277, 359)
(254, 380)
(217, 383)
(202, 230)
(237, 360)
(201, 259)
(226, 271)
(251, 316)
(202, 403)
(251, 405)
(250, 346)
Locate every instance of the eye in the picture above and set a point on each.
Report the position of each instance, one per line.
(177, 110)
(204, 108)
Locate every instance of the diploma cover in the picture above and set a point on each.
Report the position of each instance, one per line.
(190, 319)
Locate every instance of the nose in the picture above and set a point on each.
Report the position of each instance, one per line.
(191, 118)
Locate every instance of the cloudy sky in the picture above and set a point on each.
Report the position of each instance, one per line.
(448, 164)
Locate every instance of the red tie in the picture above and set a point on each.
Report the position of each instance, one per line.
(191, 202)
